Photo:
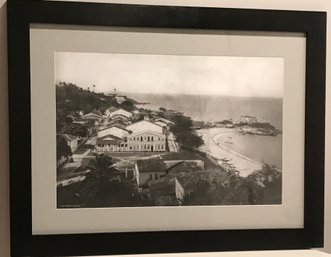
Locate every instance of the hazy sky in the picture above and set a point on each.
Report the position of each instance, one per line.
(173, 74)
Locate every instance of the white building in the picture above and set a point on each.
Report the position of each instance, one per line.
(142, 136)
(248, 119)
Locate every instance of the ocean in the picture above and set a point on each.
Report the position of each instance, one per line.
(216, 108)
(264, 149)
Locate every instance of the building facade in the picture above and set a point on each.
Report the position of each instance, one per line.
(142, 136)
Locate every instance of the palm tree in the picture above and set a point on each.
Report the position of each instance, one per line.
(102, 167)
(101, 170)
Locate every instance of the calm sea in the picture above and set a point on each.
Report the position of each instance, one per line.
(264, 149)
(217, 108)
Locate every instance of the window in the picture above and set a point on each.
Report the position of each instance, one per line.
(156, 176)
(151, 176)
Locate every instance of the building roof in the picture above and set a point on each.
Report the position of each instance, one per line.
(145, 125)
(121, 112)
(114, 131)
(108, 140)
(117, 123)
(111, 109)
(162, 124)
(165, 120)
(92, 115)
(180, 156)
(119, 116)
(181, 167)
(151, 165)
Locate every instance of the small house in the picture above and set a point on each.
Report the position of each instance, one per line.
(149, 170)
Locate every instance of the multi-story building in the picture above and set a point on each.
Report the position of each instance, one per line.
(142, 136)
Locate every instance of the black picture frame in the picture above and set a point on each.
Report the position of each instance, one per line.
(22, 13)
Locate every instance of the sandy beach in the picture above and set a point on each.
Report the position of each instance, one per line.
(227, 158)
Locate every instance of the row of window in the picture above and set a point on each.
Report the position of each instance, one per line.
(135, 147)
(146, 138)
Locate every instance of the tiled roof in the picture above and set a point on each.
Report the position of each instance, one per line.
(180, 156)
(151, 165)
(181, 167)
(104, 140)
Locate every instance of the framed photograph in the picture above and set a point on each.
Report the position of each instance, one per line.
(154, 129)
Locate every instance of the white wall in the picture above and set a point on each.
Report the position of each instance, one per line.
(320, 5)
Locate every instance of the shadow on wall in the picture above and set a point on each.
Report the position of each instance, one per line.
(4, 166)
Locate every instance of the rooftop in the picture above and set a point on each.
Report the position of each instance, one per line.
(180, 156)
(151, 165)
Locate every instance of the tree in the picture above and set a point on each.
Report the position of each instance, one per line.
(264, 186)
(102, 167)
(62, 148)
(185, 134)
(75, 129)
(127, 105)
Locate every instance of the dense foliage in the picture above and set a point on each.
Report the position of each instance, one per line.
(62, 148)
(215, 188)
(103, 186)
(71, 98)
(184, 132)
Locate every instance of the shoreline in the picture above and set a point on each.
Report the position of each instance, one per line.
(227, 158)
(231, 151)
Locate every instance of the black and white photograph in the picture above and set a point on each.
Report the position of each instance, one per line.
(148, 130)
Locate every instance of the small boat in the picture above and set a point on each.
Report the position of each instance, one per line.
(228, 142)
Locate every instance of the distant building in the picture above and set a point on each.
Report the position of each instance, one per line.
(120, 99)
(168, 122)
(248, 119)
(149, 170)
(162, 124)
(95, 116)
(118, 112)
(72, 141)
(117, 123)
(121, 118)
(110, 110)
